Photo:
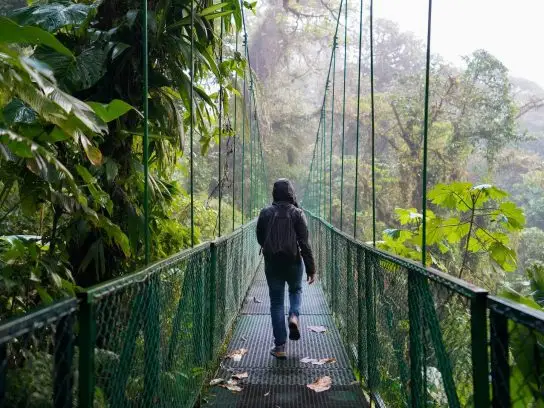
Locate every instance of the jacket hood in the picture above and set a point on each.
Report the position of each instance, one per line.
(284, 191)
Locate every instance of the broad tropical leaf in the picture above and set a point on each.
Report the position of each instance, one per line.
(12, 33)
(52, 17)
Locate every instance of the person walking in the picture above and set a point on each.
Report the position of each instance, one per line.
(282, 233)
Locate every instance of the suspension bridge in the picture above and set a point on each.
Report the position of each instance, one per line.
(194, 329)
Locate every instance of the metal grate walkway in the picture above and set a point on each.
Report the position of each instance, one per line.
(274, 383)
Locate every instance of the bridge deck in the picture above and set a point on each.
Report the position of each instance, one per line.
(274, 383)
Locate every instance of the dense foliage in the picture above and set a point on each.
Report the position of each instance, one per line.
(71, 173)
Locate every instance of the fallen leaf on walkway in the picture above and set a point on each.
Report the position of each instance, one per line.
(322, 361)
(237, 355)
(216, 381)
(317, 329)
(267, 394)
(321, 384)
(307, 360)
(240, 376)
(257, 300)
(244, 339)
(232, 386)
(316, 361)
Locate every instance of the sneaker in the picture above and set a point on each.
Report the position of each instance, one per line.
(294, 333)
(279, 352)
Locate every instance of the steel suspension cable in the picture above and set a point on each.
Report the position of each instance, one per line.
(254, 134)
(425, 138)
(323, 161)
(220, 173)
(308, 192)
(358, 120)
(234, 142)
(250, 150)
(344, 115)
(244, 132)
(192, 125)
(335, 42)
(321, 152)
(145, 86)
(373, 128)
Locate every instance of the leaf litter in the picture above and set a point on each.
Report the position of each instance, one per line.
(240, 376)
(321, 384)
(317, 329)
(318, 361)
(232, 385)
(237, 355)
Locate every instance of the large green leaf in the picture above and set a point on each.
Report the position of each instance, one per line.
(41, 158)
(110, 111)
(510, 215)
(80, 73)
(12, 33)
(52, 17)
(213, 9)
(114, 233)
(18, 112)
(452, 196)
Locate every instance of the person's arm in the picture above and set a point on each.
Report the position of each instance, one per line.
(261, 227)
(301, 228)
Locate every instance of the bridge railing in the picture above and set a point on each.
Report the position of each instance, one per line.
(145, 339)
(517, 354)
(419, 337)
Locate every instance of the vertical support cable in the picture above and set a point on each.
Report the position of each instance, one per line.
(373, 128)
(251, 132)
(309, 191)
(319, 154)
(219, 178)
(425, 137)
(192, 125)
(244, 105)
(334, 44)
(358, 119)
(323, 154)
(344, 115)
(145, 86)
(234, 142)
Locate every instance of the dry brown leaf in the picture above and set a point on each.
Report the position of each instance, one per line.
(240, 376)
(317, 329)
(322, 361)
(316, 361)
(232, 387)
(216, 381)
(237, 355)
(321, 384)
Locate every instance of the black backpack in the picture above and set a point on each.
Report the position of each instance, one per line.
(281, 239)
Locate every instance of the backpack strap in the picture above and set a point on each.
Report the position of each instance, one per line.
(270, 224)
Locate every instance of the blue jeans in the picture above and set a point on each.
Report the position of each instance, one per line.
(277, 276)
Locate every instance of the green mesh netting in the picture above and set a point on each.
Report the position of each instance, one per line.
(407, 330)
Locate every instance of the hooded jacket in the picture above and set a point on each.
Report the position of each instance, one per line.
(283, 194)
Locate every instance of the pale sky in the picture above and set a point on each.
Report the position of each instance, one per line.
(512, 30)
